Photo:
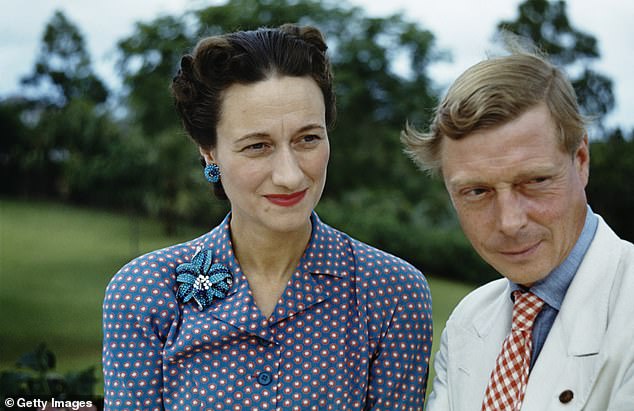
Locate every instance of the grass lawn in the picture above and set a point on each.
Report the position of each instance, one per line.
(445, 295)
(55, 262)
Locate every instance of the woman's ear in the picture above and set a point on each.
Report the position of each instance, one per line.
(208, 155)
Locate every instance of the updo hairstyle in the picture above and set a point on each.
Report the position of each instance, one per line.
(246, 57)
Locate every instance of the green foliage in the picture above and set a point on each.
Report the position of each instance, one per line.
(610, 193)
(547, 25)
(13, 132)
(148, 61)
(35, 375)
(63, 64)
(66, 145)
(176, 190)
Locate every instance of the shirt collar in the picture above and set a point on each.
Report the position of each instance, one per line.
(552, 289)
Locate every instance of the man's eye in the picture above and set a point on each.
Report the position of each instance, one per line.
(537, 181)
(475, 192)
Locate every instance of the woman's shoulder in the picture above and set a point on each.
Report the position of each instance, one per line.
(378, 264)
(385, 284)
(383, 264)
(158, 267)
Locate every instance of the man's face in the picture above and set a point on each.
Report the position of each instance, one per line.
(519, 197)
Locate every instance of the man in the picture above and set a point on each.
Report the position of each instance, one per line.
(558, 331)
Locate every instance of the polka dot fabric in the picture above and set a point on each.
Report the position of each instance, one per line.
(352, 331)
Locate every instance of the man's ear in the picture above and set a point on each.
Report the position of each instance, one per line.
(582, 159)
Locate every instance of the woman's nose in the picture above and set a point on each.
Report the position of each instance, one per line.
(287, 172)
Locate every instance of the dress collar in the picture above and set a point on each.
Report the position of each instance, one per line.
(326, 260)
(326, 252)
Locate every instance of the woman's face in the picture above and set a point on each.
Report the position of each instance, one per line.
(272, 150)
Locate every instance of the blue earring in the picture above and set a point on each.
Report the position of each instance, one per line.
(212, 173)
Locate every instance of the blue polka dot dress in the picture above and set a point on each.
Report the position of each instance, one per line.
(351, 331)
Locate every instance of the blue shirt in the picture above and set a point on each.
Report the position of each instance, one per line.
(352, 331)
(552, 289)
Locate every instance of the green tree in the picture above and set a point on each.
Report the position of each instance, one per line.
(63, 70)
(546, 23)
(173, 190)
(610, 191)
(13, 132)
(93, 157)
(147, 63)
(68, 145)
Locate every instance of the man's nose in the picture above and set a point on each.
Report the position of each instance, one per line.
(511, 212)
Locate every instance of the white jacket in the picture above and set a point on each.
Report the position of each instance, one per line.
(589, 350)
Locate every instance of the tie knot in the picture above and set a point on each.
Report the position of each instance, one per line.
(527, 306)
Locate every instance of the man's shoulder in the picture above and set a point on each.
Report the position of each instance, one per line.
(610, 252)
(482, 298)
(605, 237)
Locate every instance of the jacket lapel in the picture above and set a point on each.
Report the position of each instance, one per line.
(475, 347)
(571, 358)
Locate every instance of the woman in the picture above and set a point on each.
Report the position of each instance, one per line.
(272, 309)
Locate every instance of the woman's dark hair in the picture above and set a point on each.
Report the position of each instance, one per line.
(246, 57)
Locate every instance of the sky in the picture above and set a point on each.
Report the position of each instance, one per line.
(462, 27)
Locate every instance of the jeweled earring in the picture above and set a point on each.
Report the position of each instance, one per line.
(212, 173)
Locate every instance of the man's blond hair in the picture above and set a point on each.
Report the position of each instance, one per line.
(492, 93)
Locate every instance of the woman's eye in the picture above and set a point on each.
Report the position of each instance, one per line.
(255, 147)
(310, 138)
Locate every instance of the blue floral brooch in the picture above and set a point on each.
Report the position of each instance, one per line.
(203, 281)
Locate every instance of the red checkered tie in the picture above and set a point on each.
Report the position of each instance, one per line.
(510, 376)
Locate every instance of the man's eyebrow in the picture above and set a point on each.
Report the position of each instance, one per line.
(537, 171)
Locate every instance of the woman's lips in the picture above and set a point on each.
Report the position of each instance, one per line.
(287, 200)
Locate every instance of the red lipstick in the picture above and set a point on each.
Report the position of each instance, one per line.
(286, 200)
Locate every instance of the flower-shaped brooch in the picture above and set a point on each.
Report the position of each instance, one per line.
(202, 280)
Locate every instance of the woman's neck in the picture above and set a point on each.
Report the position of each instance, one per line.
(266, 254)
(268, 260)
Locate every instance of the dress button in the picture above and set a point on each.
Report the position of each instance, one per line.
(265, 378)
(566, 396)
